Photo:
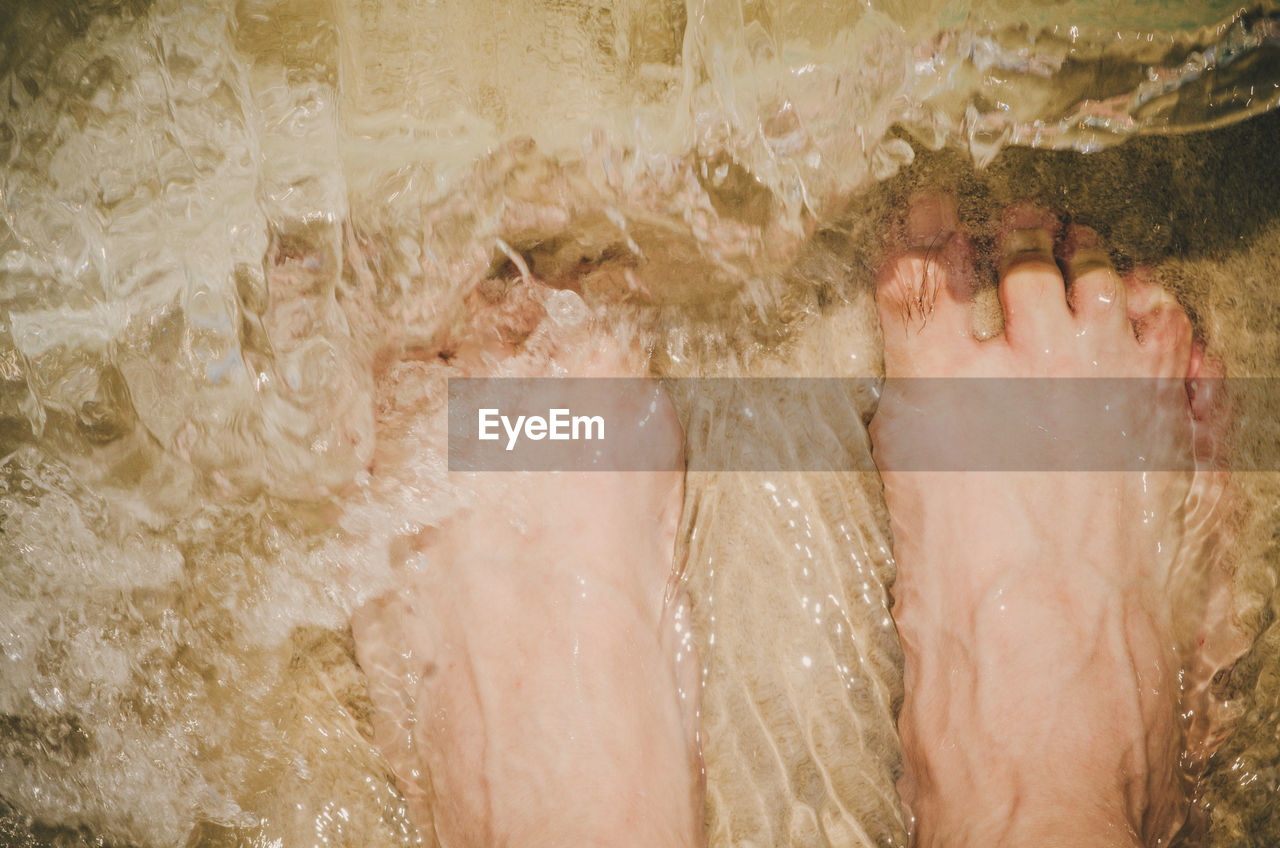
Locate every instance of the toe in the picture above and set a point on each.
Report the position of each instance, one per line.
(1210, 407)
(1032, 290)
(923, 293)
(1203, 375)
(1142, 293)
(946, 258)
(918, 312)
(1206, 390)
(1095, 291)
(1163, 329)
(1166, 335)
(897, 302)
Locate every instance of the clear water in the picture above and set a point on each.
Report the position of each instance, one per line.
(227, 228)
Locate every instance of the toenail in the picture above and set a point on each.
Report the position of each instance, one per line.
(1086, 262)
(1028, 241)
(1031, 245)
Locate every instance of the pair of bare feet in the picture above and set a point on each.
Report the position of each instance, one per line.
(533, 684)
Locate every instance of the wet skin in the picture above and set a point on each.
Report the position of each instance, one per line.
(531, 687)
(527, 673)
(1042, 671)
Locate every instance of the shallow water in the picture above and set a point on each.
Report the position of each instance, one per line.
(230, 233)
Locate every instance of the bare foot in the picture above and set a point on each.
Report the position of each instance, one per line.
(525, 675)
(1042, 664)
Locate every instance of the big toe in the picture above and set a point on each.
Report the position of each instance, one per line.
(923, 292)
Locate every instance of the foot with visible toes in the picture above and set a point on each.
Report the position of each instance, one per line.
(1042, 664)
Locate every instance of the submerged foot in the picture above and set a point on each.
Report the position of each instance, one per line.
(524, 674)
(1042, 654)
